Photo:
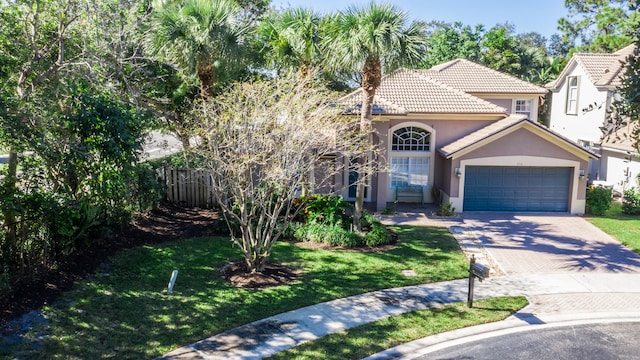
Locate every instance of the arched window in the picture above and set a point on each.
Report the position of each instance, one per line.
(410, 169)
(411, 139)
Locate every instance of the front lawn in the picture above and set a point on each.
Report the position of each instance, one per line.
(123, 312)
(625, 228)
(368, 339)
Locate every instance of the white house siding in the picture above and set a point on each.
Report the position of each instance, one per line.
(618, 170)
(586, 124)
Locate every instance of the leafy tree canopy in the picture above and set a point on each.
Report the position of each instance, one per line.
(599, 25)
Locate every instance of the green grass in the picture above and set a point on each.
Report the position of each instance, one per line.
(125, 313)
(368, 339)
(625, 228)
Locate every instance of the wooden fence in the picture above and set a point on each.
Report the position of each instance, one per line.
(188, 187)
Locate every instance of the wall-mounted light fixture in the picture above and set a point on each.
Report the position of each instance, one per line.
(581, 174)
(458, 172)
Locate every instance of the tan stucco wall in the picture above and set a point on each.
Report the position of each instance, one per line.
(505, 103)
(446, 130)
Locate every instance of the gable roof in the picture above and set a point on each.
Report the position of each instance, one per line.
(475, 78)
(408, 91)
(603, 70)
(493, 130)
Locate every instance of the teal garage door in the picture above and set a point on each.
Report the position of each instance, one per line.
(508, 188)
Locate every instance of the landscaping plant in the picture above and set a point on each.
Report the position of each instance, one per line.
(257, 166)
(631, 202)
(598, 200)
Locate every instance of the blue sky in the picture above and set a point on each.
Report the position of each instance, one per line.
(540, 15)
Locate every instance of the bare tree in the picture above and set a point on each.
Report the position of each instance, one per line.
(264, 138)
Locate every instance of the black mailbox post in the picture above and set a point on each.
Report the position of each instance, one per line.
(475, 271)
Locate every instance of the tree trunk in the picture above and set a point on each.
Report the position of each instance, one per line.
(206, 75)
(10, 225)
(371, 78)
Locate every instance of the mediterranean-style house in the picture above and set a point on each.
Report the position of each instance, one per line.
(580, 98)
(468, 135)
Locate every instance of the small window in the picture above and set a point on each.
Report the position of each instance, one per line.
(572, 95)
(524, 107)
(411, 139)
(585, 144)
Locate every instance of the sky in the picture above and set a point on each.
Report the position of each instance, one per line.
(540, 16)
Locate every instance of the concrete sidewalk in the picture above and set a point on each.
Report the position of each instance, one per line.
(561, 294)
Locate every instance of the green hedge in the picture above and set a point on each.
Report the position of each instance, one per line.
(598, 200)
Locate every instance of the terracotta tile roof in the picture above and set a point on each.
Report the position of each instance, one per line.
(494, 128)
(620, 140)
(407, 91)
(470, 77)
(603, 70)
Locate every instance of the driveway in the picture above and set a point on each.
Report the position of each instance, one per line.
(548, 243)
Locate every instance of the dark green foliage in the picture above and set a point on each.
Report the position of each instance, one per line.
(600, 25)
(378, 235)
(446, 210)
(336, 234)
(79, 183)
(598, 200)
(324, 209)
(631, 202)
(332, 235)
(625, 109)
(146, 189)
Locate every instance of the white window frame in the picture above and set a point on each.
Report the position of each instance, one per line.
(411, 156)
(528, 107)
(573, 88)
(412, 177)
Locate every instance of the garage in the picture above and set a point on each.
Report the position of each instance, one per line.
(515, 188)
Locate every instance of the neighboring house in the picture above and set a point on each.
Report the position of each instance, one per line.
(581, 96)
(466, 134)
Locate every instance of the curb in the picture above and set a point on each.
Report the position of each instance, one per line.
(519, 322)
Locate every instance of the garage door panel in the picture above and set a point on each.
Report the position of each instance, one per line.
(516, 188)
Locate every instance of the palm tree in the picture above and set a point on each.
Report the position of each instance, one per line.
(197, 36)
(373, 38)
(293, 38)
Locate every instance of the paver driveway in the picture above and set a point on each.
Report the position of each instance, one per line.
(548, 243)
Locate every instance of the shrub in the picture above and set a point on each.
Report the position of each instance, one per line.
(332, 235)
(368, 220)
(598, 199)
(446, 210)
(327, 222)
(146, 189)
(324, 209)
(378, 235)
(631, 202)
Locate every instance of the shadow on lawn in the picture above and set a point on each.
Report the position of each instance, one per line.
(126, 314)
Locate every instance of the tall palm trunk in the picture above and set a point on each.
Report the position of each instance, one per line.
(206, 74)
(371, 78)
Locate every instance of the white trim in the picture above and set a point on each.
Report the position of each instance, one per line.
(570, 95)
(576, 206)
(514, 105)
